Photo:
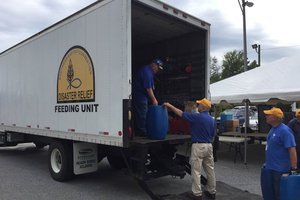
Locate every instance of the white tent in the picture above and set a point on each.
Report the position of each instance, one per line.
(277, 80)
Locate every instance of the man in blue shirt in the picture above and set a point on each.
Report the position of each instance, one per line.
(294, 124)
(281, 156)
(202, 132)
(142, 90)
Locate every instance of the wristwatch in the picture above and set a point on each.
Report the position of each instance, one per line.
(293, 171)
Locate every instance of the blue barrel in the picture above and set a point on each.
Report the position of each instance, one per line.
(223, 118)
(290, 187)
(157, 122)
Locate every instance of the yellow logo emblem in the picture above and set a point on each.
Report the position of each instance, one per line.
(75, 81)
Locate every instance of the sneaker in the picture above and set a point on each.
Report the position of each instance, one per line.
(194, 197)
(209, 195)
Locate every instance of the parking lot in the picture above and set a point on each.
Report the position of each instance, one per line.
(24, 175)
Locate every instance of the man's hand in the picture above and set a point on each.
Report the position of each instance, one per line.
(174, 109)
(152, 97)
(168, 105)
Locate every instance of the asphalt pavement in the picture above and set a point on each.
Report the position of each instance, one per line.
(24, 175)
(242, 176)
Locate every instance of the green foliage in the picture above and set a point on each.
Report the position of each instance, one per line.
(252, 65)
(215, 70)
(232, 64)
(219, 108)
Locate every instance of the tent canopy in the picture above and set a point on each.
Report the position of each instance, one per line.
(276, 81)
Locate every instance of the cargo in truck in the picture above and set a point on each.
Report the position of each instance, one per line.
(70, 86)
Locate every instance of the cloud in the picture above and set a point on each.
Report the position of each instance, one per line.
(21, 19)
(31, 16)
(275, 30)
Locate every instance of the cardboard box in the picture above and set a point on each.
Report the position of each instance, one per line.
(232, 125)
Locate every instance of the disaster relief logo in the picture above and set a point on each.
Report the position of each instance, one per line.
(76, 82)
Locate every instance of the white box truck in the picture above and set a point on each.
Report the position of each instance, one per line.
(69, 86)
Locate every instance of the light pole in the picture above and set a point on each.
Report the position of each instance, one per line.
(243, 9)
(256, 47)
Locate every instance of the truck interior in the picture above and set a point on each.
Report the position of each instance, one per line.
(180, 45)
(183, 48)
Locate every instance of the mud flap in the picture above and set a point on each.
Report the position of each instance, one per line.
(85, 157)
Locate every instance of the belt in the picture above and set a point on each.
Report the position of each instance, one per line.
(202, 142)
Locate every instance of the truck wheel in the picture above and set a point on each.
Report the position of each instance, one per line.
(116, 162)
(60, 161)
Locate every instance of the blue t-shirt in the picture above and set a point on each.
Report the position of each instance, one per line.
(279, 139)
(141, 82)
(202, 126)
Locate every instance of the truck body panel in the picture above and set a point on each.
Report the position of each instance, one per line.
(70, 81)
(30, 72)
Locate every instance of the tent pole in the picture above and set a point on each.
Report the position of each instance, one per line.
(245, 130)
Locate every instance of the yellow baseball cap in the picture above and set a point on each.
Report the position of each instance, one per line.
(277, 112)
(297, 114)
(205, 102)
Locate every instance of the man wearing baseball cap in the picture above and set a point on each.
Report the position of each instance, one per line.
(281, 156)
(202, 132)
(142, 91)
(294, 124)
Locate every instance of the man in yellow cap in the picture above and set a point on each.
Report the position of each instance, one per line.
(294, 124)
(202, 132)
(281, 156)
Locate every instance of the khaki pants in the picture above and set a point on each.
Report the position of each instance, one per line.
(202, 155)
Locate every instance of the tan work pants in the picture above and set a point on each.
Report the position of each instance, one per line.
(202, 155)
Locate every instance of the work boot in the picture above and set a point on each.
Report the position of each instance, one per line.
(209, 195)
(194, 197)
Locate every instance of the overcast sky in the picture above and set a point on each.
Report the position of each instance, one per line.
(271, 23)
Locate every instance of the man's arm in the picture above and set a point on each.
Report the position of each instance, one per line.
(174, 109)
(293, 157)
(152, 97)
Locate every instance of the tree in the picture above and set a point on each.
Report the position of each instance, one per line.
(252, 65)
(232, 64)
(215, 74)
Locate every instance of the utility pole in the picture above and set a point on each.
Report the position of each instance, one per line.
(243, 6)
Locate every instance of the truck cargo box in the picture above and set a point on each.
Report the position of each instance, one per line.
(73, 79)
(70, 86)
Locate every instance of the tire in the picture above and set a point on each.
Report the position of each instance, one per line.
(39, 145)
(60, 160)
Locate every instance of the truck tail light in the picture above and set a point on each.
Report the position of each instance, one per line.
(130, 132)
(127, 121)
